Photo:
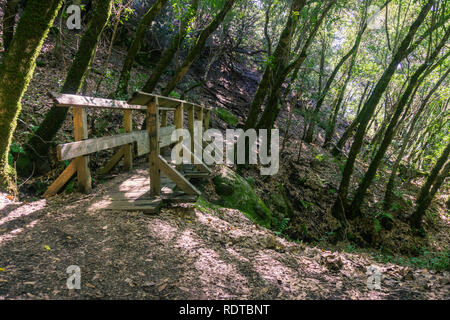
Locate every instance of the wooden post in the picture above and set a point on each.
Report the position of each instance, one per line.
(191, 120)
(82, 163)
(163, 118)
(153, 133)
(207, 114)
(197, 151)
(178, 121)
(128, 149)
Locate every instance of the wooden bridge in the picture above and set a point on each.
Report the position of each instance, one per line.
(145, 194)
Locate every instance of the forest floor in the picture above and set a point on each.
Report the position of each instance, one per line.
(183, 252)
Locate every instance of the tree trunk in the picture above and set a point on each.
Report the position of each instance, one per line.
(38, 145)
(435, 179)
(16, 72)
(196, 50)
(122, 87)
(9, 20)
(280, 56)
(390, 131)
(272, 109)
(169, 53)
(310, 132)
(369, 109)
(388, 195)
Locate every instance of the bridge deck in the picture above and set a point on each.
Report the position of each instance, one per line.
(133, 193)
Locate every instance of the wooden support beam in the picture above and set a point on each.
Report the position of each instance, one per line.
(191, 123)
(128, 148)
(177, 177)
(63, 178)
(198, 125)
(113, 161)
(163, 118)
(153, 134)
(82, 163)
(178, 121)
(206, 118)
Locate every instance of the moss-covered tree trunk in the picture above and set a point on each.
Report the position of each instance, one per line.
(149, 17)
(270, 83)
(16, 72)
(338, 209)
(331, 127)
(9, 19)
(425, 196)
(282, 70)
(388, 195)
(311, 128)
(196, 50)
(391, 129)
(169, 53)
(38, 145)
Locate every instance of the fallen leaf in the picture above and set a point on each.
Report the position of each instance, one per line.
(31, 283)
(46, 247)
(90, 285)
(161, 288)
(1, 269)
(10, 197)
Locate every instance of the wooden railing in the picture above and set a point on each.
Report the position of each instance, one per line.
(150, 141)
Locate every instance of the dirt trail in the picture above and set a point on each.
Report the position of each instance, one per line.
(181, 253)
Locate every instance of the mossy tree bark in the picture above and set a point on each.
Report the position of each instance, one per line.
(38, 145)
(391, 129)
(435, 179)
(272, 109)
(338, 209)
(169, 53)
(388, 195)
(9, 19)
(196, 50)
(149, 17)
(270, 81)
(16, 72)
(268, 75)
(352, 52)
(337, 149)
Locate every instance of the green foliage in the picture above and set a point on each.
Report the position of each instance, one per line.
(439, 260)
(226, 116)
(175, 95)
(282, 226)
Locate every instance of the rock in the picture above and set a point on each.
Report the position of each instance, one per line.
(408, 275)
(223, 189)
(332, 262)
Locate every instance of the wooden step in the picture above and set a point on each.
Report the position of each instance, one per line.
(195, 174)
(146, 206)
(179, 198)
